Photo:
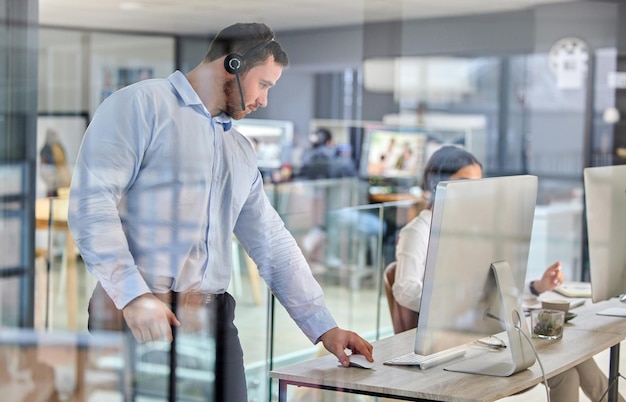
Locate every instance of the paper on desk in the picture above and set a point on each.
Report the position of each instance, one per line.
(574, 289)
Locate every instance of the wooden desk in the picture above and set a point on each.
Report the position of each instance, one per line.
(589, 320)
(393, 197)
(417, 204)
(582, 340)
(51, 213)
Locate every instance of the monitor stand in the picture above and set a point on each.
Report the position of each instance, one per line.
(613, 312)
(521, 352)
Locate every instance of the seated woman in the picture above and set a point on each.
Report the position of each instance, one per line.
(454, 163)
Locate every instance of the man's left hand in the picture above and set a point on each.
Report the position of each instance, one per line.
(337, 340)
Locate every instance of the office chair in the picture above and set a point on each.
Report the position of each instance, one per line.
(402, 318)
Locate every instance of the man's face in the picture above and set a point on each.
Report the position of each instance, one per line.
(255, 84)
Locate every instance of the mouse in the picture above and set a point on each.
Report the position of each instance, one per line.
(360, 361)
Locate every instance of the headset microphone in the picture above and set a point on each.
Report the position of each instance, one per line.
(233, 63)
(243, 104)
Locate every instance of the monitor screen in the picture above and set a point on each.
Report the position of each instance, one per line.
(475, 224)
(393, 153)
(272, 140)
(605, 209)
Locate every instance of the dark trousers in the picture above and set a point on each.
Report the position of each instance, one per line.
(216, 320)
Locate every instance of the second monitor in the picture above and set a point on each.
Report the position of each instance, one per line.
(393, 154)
(605, 209)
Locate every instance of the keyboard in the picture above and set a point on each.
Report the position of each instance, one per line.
(426, 361)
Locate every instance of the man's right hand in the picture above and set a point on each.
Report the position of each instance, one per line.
(149, 319)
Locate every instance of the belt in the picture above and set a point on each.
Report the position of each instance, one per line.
(188, 299)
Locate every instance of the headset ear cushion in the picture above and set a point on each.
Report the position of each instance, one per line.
(232, 63)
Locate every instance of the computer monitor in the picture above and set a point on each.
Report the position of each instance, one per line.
(605, 209)
(396, 155)
(272, 140)
(475, 271)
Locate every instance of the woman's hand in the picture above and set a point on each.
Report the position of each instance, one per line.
(552, 277)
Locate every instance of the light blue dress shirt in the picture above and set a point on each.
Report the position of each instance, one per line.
(158, 190)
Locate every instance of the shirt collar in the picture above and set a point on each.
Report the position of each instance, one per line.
(191, 98)
(184, 88)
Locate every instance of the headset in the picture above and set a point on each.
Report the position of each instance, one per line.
(234, 62)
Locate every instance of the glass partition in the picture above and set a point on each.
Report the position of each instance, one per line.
(79, 69)
(499, 89)
(347, 243)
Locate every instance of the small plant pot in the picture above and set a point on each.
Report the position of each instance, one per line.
(547, 324)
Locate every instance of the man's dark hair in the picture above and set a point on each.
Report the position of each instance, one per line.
(321, 136)
(242, 37)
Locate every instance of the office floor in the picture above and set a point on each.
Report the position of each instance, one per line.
(353, 308)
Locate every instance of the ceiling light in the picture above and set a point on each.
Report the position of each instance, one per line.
(131, 5)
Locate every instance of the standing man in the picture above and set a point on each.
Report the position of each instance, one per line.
(162, 182)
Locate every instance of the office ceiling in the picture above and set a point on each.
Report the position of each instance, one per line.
(202, 17)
